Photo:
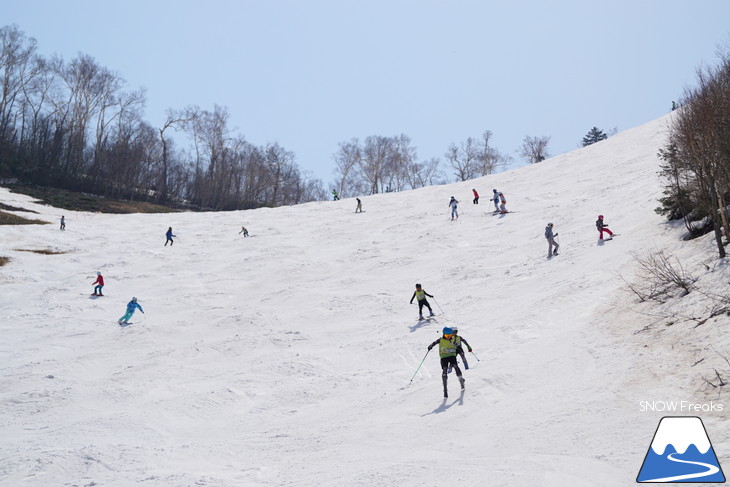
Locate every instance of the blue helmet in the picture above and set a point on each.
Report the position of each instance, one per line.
(448, 331)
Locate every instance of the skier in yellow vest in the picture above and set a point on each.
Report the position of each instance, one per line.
(447, 352)
(422, 301)
(458, 340)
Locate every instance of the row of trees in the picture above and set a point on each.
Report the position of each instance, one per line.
(696, 160)
(381, 164)
(75, 125)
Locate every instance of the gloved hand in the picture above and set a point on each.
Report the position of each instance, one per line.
(430, 347)
(470, 349)
(556, 235)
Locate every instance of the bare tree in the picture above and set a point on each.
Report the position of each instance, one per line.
(175, 120)
(347, 161)
(490, 159)
(464, 159)
(534, 149)
(17, 70)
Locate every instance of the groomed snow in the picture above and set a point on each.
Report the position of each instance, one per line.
(284, 359)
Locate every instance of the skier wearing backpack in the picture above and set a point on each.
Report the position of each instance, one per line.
(603, 227)
(458, 340)
(421, 294)
(131, 307)
(454, 211)
(99, 283)
(502, 202)
(243, 231)
(447, 353)
(551, 240)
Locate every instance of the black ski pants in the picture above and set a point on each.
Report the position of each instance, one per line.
(445, 362)
(421, 304)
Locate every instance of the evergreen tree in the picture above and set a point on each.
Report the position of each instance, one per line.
(594, 135)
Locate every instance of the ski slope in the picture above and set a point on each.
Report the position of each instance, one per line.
(284, 359)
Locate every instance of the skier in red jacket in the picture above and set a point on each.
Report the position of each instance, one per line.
(99, 284)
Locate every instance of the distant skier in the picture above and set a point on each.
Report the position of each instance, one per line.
(421, 294)
(495, 200)
(335, 195)
(169, 236)
(63, 222)
(358, 209)
(99, 284)
(454, 211)
(476, 197)
(674, 105)
(551, 240)
(458, 340)
(447, 353)
(243, 231)
(601, 226)
(131, 307)
(502, 202)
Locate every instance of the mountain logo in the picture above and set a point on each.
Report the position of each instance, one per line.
(681, 452)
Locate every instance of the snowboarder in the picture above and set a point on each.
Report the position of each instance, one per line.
(476, 197)
(502, 202)
(99, 284)
(358, 209)
(169, 236)
(447, 352)
(603, 227)
(63, 222)
(551, 240)
(495, 199)
(243, 231)
(335, 195)
(454, 211)
(458, 340)
(421, 294)
(131, 307)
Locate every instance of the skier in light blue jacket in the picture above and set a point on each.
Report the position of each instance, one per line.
(454, 211)
(131, 307)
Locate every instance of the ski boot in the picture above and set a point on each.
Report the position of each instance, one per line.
(431, 314)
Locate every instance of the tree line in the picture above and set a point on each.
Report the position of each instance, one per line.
(696, 159)
(76, 125)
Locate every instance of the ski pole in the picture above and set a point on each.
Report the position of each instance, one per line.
(419, 367)
(475, 356)
(437, 304)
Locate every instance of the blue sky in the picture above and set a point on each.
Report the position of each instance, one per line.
(310, 74)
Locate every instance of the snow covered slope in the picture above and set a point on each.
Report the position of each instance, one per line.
(285, 358)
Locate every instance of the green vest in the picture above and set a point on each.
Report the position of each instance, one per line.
(447, 348)
(420, 295)
(457, 340)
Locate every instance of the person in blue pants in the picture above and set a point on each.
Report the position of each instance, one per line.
(131, 307)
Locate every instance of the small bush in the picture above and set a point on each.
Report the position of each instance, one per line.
(42, 251)
(4, 260)
(3, 206)
(10, 219)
